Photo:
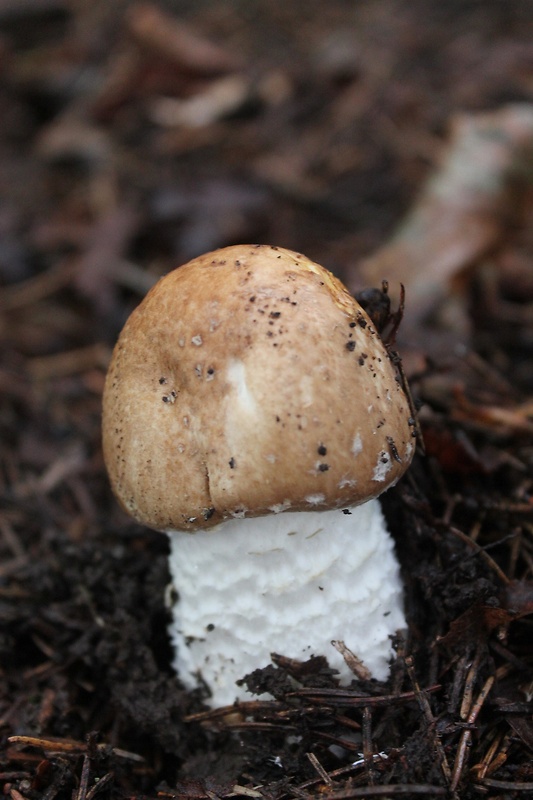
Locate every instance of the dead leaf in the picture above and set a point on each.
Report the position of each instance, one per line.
(164, 35)
(463, 211)
(475, 624)
(502, 420)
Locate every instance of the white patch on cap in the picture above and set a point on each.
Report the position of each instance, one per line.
(346, 482)
(382, 467)
(237, 377)
(197, 340)
(280, 507)
(240, 513)
(307, 391)
(315, 499)
(357, 444)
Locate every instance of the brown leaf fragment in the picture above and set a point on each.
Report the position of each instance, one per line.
(475, 624)
(453, 450)
(299, 669)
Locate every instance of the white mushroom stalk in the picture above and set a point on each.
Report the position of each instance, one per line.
(289, 583)
(249, 403)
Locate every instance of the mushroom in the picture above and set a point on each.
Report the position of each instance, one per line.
(252, 412)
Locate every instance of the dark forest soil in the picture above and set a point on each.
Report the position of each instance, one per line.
(320, 123)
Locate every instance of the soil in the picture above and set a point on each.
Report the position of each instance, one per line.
(135, 136)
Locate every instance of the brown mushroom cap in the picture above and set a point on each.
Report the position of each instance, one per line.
(250, 381)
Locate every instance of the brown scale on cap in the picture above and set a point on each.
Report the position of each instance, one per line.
(249, 381)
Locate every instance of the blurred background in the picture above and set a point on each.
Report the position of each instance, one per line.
(137, 135)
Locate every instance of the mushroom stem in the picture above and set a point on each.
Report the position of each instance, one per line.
(289, 583)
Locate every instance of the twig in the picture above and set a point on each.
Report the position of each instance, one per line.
(481, 552)
(71, 362)
(430, 719)
(81, 794)
(319, 769)
(343, 771)
(54, 746)
(367, 743)
(494, 758)
(243, 709)
(466, 735)
(389, 791)
(343, 697)
(35, 289)
(70, 746)
(100, 785)
(468, 692)
(458, 679)
(510, 786)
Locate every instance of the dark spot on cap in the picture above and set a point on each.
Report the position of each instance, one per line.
(350, 345)
(207, 513)
(323, 467)
(162, 381)
(232, 463)
(394, 449)
(346, 511)
(275, 314)
(322, 450)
